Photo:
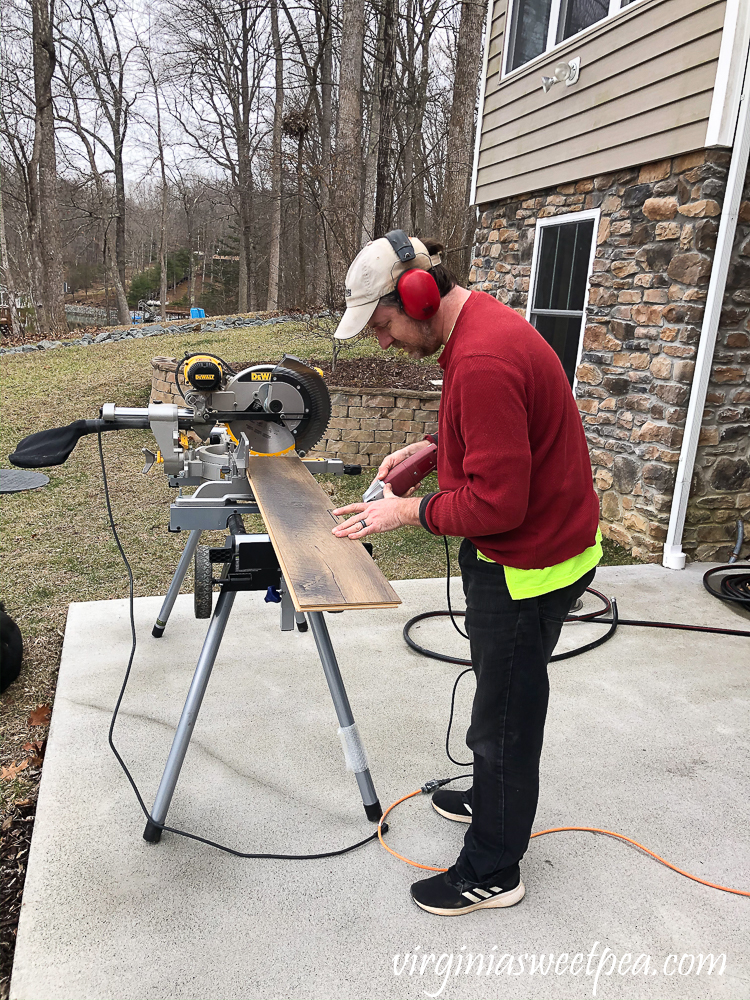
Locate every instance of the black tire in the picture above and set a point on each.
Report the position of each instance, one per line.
(203, 596)
(11, 650)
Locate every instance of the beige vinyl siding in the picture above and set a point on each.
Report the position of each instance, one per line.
(644, 94)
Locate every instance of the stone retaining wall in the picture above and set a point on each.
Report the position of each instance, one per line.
(365, 425)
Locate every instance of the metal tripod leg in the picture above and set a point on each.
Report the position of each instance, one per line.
(185, 727)
(174, 588)
(354, 751)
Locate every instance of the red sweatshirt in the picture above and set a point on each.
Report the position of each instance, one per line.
(513, 465)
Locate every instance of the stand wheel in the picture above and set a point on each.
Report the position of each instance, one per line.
(203, 595)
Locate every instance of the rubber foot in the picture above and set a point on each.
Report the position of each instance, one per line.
(374, 811)
(302, 626)
(152, 833)
(157, 631)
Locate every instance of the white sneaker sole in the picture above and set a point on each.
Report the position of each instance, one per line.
(494, 903)
(454, 816)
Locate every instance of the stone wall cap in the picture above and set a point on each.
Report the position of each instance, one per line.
(381, 391)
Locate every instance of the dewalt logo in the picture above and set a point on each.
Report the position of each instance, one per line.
(260, 376)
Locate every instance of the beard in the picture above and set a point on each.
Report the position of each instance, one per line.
(424, 342)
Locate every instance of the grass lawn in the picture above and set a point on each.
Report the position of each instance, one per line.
(55, 544)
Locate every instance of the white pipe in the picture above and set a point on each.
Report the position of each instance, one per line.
(674, 557)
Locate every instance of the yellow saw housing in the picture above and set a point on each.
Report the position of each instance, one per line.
(203, 372)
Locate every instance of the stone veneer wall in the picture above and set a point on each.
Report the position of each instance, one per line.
(365, 425)
(655, 247)
(720, 491)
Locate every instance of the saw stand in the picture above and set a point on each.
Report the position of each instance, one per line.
(249, 563)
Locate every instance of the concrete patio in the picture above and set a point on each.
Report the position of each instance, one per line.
(647, 735)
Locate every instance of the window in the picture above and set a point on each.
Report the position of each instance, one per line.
(539, 25)
(563, 253)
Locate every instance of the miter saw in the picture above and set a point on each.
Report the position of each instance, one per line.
(262, 410)
(228, 416)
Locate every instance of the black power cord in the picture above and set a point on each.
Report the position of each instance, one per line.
(734, 588)
(123, 765)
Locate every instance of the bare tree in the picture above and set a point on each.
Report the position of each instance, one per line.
(7, 284)
(348, 162)
(457, 217)
(43, 168)
(383, 171)
(97, 81)
(106, 206)
(28, 129)
(276, 173)
(156, 86)
(218, 66)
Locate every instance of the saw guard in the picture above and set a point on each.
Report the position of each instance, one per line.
(304, 431)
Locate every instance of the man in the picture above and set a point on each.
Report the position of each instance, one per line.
(515, 480)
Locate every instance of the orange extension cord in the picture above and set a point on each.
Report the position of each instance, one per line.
(556, 829)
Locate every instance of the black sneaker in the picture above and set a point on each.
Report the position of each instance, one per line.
(448, 896)
(452, 804)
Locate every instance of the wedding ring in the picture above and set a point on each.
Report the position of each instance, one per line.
(363, 523)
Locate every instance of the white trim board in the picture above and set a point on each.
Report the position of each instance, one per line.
(725, 103)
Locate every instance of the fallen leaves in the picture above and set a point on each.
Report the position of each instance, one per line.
(40, 716)
(9, 773)
(36, 749)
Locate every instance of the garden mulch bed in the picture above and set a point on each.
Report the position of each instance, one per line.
(15, 841)
(384, 373)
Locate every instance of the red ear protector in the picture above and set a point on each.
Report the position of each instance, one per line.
(417, 289)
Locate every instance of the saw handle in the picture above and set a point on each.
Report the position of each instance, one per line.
(412, 470)
(52, 447)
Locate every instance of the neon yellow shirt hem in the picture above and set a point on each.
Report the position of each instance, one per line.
(524, 583)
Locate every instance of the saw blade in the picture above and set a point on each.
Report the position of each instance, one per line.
(265, 437)
(304, 403)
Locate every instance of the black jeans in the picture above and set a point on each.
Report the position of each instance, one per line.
(511, 644)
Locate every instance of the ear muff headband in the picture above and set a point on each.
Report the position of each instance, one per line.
(417, 288)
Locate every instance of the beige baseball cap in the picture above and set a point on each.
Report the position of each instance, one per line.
(373, 273)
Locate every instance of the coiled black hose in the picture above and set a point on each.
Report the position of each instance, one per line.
(729, 582)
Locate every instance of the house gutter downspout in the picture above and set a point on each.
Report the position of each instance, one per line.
(674, 557)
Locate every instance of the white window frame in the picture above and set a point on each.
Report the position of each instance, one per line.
(562, 220)
(615, 8)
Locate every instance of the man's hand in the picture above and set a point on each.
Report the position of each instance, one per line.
(396, 457)
(380, 515)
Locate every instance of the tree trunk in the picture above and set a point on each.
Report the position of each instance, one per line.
(272, 301)
(457, 216)
(45, 221)
(242, 289)
(301, 298)
(348, 173)
(368, 211)
(164, 201)
(384, 171)
(323, 291)
(120, 250)
(8, 282)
